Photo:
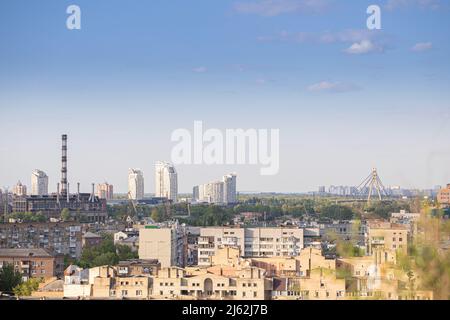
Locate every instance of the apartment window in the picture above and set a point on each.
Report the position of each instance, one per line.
(255, 294)
(42, 271)
(243, 294)
(161, 293)
(139, 292)
(124, 293)
(316, 294)
(400, 239)
(243, 284)
(254, 284)
(161, 284)
(393, 239)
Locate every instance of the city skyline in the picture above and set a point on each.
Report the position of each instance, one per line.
(345, 99)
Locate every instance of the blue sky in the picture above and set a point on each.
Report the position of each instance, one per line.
(344, 98)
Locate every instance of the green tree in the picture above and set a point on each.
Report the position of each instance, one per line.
(337, 212)
(9, 278)
(65, 214)
(125, 253)
(25, 289)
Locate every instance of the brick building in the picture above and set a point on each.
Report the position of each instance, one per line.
(33, 263)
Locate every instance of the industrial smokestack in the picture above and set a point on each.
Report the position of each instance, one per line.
(78, 192)
(92, 197)
(64, 165)
(57, 192)
(67, 192)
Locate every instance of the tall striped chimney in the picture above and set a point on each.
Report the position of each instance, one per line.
(64, 165)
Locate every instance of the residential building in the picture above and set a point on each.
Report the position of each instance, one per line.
(166, 181)
(105, 191)
(58, 238)
(320, 285)
(229, 188)
(135, 184)
(90, 239)
(246, 283)
(386, 235)
(20, 190)
(39, 183)
(166, 244)
(33, 263)
(443, 196)
(138, 267)
(217, 192)
(253, 242)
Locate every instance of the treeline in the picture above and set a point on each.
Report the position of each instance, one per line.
(106, 253)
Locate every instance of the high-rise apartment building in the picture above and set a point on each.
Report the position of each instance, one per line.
(218, 192)
(105, 191)
(166, 181)
(135, 184)
(229, 188)
(39, 183)
(20, 189)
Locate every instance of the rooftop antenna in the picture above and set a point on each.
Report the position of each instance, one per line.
(373, 182)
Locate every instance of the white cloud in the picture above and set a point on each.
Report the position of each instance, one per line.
(363, 47)
(332, 87)
(422, 46)
(200, 69)
(398, 4)
(272, 8)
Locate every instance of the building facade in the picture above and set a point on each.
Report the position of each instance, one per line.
(33, 263)
(166, 244)
(252, 242)
(39, 183)
(166, 181)
(217, 192)
(105, 191)
(135, 184)
(443, 196)
(20, 190)
(58, 238)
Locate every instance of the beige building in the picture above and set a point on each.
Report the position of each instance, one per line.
(443, 196)
(252, 242)
(20, 189)
(319, 285)
(105, 191)
(248, 283)
(386, 235)
(168, 245)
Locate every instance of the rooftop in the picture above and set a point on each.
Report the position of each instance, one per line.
(25, 253)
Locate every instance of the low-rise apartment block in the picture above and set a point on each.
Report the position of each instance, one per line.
(381, 234)
(33, 263)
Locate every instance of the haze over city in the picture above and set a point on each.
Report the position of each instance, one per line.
(345, 99)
